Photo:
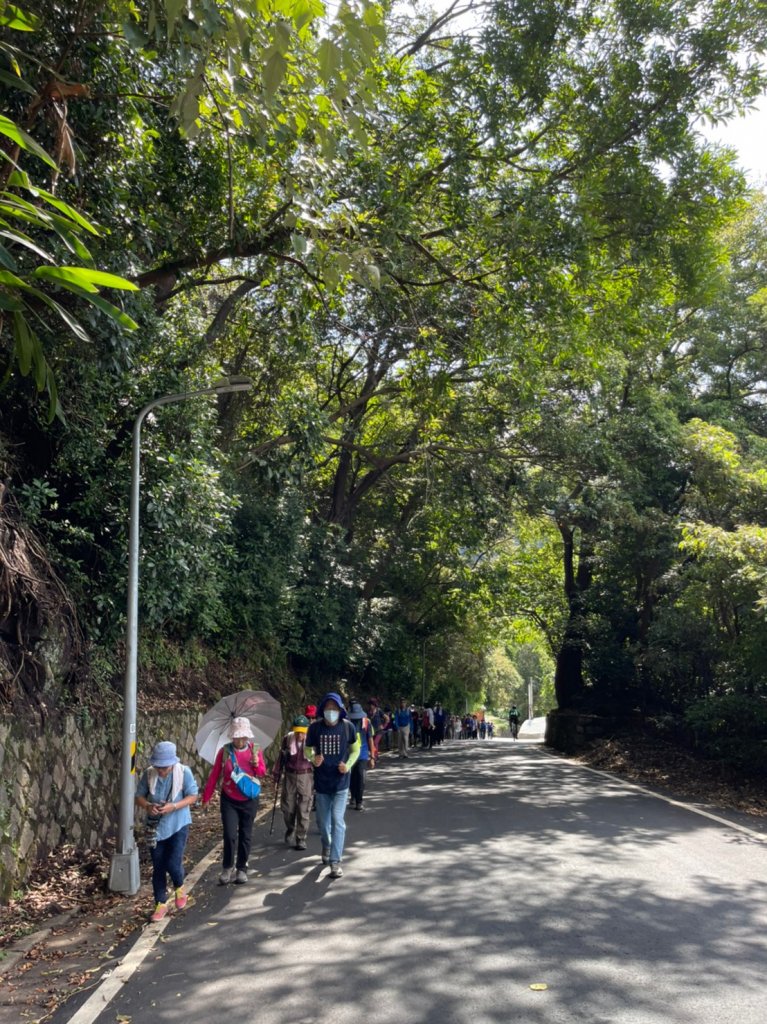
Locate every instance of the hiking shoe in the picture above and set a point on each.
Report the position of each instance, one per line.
(325, 854)
(159, 912)
(360, 806)
(290, 837)
(300, 844)
(226, 876)
(181, 898)
(241, 877)
(336, 870)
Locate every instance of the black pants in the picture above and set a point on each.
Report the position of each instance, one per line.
(357, 781)
(237, 818)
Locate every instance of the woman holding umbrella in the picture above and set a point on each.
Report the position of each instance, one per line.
(237, 810)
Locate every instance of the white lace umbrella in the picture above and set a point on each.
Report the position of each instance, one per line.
(261, 709)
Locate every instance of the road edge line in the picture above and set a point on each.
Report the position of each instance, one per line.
(658, 796)
(114, 981)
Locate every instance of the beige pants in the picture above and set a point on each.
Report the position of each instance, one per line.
(296, 802)
(402, 740)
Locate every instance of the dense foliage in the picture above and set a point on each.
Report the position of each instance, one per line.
(503, 311)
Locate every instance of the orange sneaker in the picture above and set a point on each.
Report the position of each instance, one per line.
(159, 912)
(181, 899)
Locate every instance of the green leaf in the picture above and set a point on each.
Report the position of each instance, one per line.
(5, 257)
(6, 277)
(54, 409)
(172, 10)
(76, 328)
(137, 40)
(85, 278)
(70, 239)
(21, 337)
(20, 179)
(12, 16)
(373, 274)
(7, 157)
(281, 35)
(12, 305)
(303, 13)
(188, 104)
(21, 239)
(274, 72)
(12, 131)
(111, 311)
(329, 58)
(69, 211)
(39, 363)
(14, 82)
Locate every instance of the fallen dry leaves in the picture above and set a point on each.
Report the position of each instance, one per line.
(651, 761)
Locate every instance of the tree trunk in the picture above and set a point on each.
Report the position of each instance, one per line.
(568, 676)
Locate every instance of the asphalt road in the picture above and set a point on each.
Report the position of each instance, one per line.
(479, 870)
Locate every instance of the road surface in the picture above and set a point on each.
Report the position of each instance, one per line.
(479, 870)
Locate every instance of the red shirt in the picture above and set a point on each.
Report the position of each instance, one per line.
(245, 761)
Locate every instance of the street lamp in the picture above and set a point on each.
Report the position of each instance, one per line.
(530, 710)
(423, 675)
(124, 868)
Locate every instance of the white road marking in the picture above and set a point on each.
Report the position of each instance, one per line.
(144, 944)
(659, 796)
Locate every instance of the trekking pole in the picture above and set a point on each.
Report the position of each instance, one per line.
(276, 792)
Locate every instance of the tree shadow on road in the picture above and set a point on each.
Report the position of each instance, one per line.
(476, 873)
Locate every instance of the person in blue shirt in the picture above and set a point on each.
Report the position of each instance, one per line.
(333, 746)
(402, 720)
(166, 791)
(364, 728)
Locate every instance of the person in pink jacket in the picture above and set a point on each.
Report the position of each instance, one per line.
(237, 811)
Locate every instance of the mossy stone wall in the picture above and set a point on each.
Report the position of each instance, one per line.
(60, 783)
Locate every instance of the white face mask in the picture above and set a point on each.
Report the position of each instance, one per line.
(331, 717)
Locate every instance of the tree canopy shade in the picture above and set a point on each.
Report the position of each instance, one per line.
(502, 307)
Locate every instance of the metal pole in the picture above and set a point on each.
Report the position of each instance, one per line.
(530, 698)
(423, 676)
(277, 791)
(124, 868)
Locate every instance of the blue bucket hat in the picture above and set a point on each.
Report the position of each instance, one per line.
(337, 699)
(163, 754)
(356, 714)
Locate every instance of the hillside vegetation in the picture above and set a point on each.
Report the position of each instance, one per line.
(503, 310)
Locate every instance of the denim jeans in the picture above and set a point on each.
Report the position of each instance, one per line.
(168, 859)
(331, 808)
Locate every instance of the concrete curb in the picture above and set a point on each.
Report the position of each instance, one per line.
(11, 955)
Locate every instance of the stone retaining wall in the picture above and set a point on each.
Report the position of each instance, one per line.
(60, 784)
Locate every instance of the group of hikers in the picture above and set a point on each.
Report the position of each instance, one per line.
(322, 766)
(322, 759)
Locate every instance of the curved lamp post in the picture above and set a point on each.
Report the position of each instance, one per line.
(124, 868)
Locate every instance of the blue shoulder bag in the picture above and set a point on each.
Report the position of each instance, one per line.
(247, 785)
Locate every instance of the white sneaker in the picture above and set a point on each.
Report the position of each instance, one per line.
(336, 870)
(241, 877)
(226, 876)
